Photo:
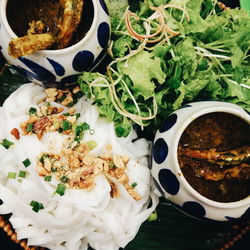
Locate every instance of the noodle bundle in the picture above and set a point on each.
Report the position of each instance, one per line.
(60, 210)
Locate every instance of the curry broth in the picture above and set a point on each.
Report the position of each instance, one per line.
(21, 13)
(213, 154)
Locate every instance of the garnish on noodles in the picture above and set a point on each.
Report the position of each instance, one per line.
(67, 179)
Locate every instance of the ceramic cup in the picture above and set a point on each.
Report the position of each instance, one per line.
(167, 174)
(62, 66)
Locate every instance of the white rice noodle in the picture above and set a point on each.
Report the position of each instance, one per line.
(79, 218)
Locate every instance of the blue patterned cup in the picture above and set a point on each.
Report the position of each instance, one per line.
(60, 67)
(169, 178)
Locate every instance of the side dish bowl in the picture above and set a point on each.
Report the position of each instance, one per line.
(62, 66)
(168, 174)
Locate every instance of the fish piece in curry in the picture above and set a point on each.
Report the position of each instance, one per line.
(214, 156)
(55, 27)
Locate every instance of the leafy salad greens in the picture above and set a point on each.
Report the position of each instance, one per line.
(166, 53)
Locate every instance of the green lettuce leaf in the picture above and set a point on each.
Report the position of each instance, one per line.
(101, 98)
(122, 45)
(209, 60)
(116, 7)
(142, 69)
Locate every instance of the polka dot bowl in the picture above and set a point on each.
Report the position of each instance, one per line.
(60, 67)
(167, 174)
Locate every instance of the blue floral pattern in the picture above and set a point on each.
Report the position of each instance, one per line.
(160, 151)
(194, 208)
(169, 123)
(40, 73)
(169, 181)
(167, 173)
(83, 60)
(104, 6)
(59, 69)
(103, 34)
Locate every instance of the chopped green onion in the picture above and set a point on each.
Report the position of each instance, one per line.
(48, 178)
(153, 217)
(111, 165)
(53, 169)
(68, 114)
(22, 174)
(42, 158)
(77, 115)
(12, 175)
(91, 144)
(66, 125)
(36, 206)
(47, 104)
(79, 131)
(6, 143)
(71, 104)
(30, 127)
(26, 162)
(134, 185)
(62, 98)
(64, 179)
(60, 189)
(77, 95)
(32, 111)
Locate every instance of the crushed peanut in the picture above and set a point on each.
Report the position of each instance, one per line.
(72, 110)
(74, 166)
(51, 94)
(49, 119)
(77, 168)
(67, 97)
(76, 89)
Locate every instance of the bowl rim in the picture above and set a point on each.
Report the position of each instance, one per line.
(11, 33)
(223, 108)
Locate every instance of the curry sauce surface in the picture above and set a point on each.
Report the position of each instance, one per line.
(217, 132)
(21, 13)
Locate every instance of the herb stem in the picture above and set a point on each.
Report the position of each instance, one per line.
(208, 54)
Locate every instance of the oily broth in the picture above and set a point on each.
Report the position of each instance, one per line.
(21, 13)
(223, 132)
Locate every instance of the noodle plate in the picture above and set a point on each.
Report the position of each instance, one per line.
(57, 209)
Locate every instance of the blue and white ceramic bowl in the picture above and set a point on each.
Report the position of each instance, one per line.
(60, 67)
(168, 176)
